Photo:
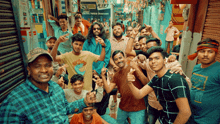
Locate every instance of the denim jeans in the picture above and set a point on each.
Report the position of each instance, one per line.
(171, 45)
(136, 117)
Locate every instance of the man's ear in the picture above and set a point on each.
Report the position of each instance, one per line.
(28, 69)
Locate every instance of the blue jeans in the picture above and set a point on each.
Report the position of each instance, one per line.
(171, 45)
(109, 119)
(136, 117)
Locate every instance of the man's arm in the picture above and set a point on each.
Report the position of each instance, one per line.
(184, 111)
(177, 31)
(50, 17)
(54, 50)
(166, 30)
(101, 41)
(139, 94)
(107, 57)
(102, 56)
(154, 35)
(52, 21)
(107, 87)
(140, 75)
(129, 48)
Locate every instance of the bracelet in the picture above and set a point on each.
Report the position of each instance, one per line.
(132, 37)
(103, 46)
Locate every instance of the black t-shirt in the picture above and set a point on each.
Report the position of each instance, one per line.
(167, 89)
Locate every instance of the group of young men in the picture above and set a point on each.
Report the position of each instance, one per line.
(151, 82)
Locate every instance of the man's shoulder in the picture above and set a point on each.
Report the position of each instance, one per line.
(18, 93)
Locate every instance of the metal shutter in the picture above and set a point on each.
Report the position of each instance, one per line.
(12, 56)
(212, 23)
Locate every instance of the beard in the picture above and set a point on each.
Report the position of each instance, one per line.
(117, 36)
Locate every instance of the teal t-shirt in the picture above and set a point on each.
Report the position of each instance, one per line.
(205, 94)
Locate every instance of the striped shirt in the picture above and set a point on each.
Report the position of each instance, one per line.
(167, 89)
(29, 104)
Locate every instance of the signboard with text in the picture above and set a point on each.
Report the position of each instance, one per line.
(103, 4)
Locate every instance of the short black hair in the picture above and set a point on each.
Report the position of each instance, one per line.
(78, 37)
(143, 27)
(153, 40)
(157, 49)
(78, 13)
(116, 52)
(117, 23)
(76, 77)
(180, 36)
(209, 40)
(141, 37)
(62, 17)
(77, 17)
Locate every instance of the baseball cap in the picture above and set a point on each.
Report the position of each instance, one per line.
(49, 37)
(33, 54)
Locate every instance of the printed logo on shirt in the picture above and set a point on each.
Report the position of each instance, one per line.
(199, 83)
(78, 66)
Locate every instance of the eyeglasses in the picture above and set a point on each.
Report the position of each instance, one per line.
(96, 28)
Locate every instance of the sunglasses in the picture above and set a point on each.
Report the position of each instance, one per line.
(96, 28)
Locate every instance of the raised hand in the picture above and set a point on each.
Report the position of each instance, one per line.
(103, 71)
(100, 40)
(130, 76)
(63, 38)
(135, 30)
(98, 80)
(60, 70)
(148, 28)
(90, 98)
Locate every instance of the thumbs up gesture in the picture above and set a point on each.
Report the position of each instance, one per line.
(130, 76)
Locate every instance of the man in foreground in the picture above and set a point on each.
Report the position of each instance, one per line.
(38, 99)
(204, 94)
(172, 90)
(129, 106)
